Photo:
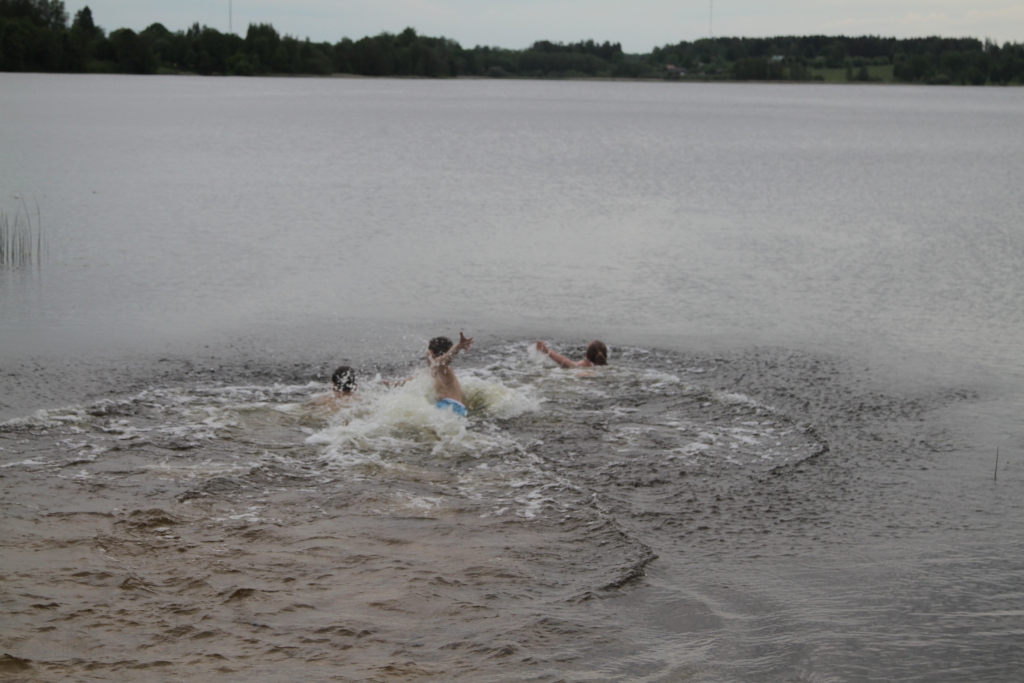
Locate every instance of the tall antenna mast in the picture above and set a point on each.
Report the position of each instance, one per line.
(711, 17)
(230, 29)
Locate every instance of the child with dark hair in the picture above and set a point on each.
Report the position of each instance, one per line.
(597, 354)
(440, 352)
(344, 380)
(343, 388)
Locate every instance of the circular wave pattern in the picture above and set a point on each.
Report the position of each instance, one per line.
(246, 530)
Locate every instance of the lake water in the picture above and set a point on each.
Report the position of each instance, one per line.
(812, 295)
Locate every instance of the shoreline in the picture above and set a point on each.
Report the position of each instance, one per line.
(574, 79)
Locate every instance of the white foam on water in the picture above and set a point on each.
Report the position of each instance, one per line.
(418, 503)
(692, 449)
(250, 515)
(31, 462)
(534, 503)
(46, 419)
(204, 431)
(207, 468)
(389, 426)
(745, 436)
(179, 419)
(655, 380)
(729, 398)
(494, 399)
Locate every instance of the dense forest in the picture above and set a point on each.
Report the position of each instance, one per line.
(38, 35)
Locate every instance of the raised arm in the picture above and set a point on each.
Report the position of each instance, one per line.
(557, 357)
(446, 359)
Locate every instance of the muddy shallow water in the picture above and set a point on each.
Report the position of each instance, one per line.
(672, 517)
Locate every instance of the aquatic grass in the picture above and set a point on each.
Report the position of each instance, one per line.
(21, 241)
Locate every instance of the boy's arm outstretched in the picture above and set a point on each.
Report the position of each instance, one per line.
(443, 361)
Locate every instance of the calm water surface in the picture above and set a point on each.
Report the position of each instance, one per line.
(811, 293)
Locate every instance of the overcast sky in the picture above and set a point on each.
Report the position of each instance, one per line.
(638, 24)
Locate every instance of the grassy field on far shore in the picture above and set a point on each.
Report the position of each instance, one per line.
(878, 74)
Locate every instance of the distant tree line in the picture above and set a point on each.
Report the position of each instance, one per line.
(36, 35)
(964, 61)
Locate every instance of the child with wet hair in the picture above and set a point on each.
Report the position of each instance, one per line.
(343, 388)
(440, 352)
(597, 354)
(343, 380)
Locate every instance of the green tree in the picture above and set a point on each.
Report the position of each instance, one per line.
(835, 55)
(133, 52)
(42, 13)
(374, 56)
(82, 40)
(15, 39)
(262, 41)
(84, 23)
(33, 36)
(750, 69)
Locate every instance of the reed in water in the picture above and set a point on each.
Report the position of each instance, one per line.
(21, 241)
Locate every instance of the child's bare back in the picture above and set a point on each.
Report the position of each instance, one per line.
(440, 353)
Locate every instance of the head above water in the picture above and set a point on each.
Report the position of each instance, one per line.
(597, 353)
(344, 379)
(439, 346)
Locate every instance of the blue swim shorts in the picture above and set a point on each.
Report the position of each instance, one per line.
(454, 406)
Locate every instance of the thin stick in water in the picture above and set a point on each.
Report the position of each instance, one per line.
(39, 236)
(995, 477)
(26, 239)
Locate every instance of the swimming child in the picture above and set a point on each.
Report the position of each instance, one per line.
(344, 380)
(597, 354)
(343, 388)
(440, 352)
